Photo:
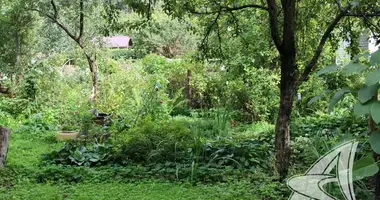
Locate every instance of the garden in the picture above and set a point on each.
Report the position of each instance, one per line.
(181, 99)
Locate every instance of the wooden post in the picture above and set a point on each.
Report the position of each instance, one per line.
(4, 141)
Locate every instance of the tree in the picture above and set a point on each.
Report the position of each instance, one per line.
(16, 24)
(286, 20)
(63, 18)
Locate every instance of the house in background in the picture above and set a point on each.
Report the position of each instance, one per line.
(366, 43)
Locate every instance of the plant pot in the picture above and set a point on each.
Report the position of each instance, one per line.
(67, 135)
(101, 119)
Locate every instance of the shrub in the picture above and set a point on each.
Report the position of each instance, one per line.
(123, 54)
(37, 124)
(6, 119)
(13, 106)
(344, 123)
(239, 152)
(154, 64)
(158, 141)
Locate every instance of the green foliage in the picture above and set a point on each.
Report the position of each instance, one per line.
(154, 64)
(156, 142)
(343, 122)
(122, 54)
(239, 152)
(81, 154)
(38, 123)
(148, 139)
(365, 167)
(162, 35)
(313, 94)
(374, 141)
(7, 178)
(13, 106)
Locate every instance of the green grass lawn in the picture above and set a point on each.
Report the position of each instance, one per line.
(108, 191)
(25, 153)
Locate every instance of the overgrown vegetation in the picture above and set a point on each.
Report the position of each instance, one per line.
(193, 109)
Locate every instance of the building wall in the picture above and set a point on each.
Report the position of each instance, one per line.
(366, 43)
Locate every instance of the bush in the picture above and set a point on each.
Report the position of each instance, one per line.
(37, 124)
(344, 123)
(158, 141)
(253, 95)
(123, 54)
(313, 136)
(239, 152)
(6, 119)
(13, 106)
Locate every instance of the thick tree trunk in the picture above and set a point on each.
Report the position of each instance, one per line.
(94, 75)
(288, 90)
(4, 140)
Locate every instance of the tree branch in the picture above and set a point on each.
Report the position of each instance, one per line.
(228, 9)
(272, 9)
(55, 19)
(215, 22)
(318, 52)
(362, 14)
(81, 21)
(55, 9)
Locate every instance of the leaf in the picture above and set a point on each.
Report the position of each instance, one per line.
(337, 97)
(363, 55)
(353, 68)
(375, 112)
(374, 141)
(366, 93)
(375, 58)
(373, 78)
(363, 109)
(315, 99)
(328, 69)
(365, 167)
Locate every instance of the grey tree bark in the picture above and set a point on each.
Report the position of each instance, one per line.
(4, 141)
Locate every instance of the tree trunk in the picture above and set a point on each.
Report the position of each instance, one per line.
(94, 74)
(4, 140)
(288, 90)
